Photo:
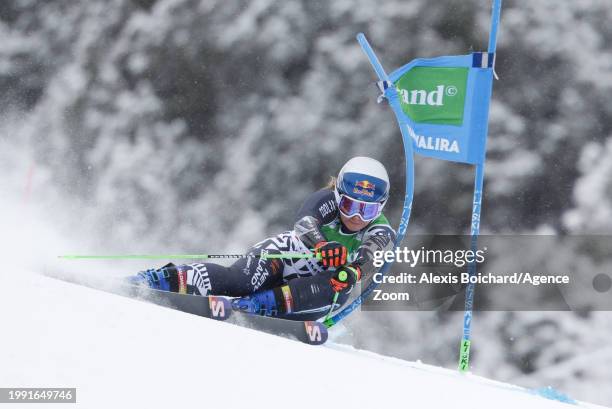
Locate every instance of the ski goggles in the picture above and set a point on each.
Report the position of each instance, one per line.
(367, 211)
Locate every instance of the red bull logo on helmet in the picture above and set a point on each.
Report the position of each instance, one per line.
(364, 187)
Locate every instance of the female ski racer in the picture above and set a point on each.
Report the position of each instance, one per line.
(342, 226)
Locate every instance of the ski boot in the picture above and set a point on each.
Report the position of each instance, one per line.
(261, 303)
(157, 279)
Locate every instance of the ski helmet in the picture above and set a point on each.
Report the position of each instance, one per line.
(362, 188)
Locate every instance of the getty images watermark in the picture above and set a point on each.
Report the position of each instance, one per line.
(513, 273)
(457, 258)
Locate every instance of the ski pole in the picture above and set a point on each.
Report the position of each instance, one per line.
(184, 256)
(342, 276)
(331, 309)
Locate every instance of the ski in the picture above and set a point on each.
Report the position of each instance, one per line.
(214, 307)
(309, 332)
(217, 308)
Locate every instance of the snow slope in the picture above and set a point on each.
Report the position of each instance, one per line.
(120, 352)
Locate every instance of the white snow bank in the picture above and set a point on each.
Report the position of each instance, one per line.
(120, 352)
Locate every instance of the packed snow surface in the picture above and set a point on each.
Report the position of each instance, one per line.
(120, 352)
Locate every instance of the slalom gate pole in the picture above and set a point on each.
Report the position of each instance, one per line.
(391, 94)
(464, 349)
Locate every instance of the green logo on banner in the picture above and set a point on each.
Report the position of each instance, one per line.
(433, 95)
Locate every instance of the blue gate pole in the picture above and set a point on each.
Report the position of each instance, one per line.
(464, 352)
(464, 349)
(393, 99)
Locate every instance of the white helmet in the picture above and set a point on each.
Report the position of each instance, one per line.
(364, 180)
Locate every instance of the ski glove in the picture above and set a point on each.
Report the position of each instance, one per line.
(331, 253)
(345, 277)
